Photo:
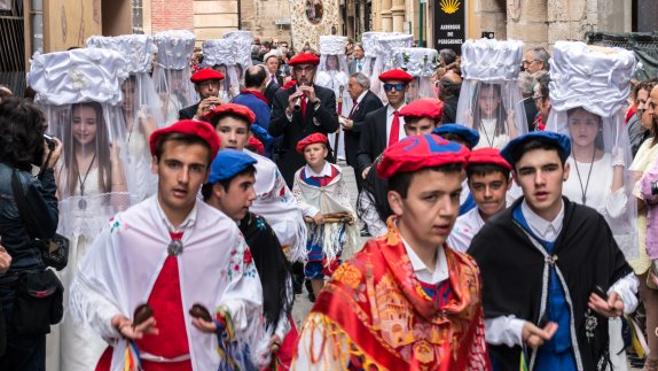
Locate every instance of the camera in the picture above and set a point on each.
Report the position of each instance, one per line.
(654, 188)
(49, 141)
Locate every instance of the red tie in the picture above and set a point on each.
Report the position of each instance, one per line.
(355, 104)
(303, 106)
(395, 129)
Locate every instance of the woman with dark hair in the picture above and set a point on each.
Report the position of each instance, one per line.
(22, 146)
(490, 118)
(91, 188)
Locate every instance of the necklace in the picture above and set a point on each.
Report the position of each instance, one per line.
(486, 135)
(583, 191)
(82, 203)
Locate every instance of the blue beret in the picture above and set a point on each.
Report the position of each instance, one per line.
(560, 140)
(229, 163)
(470, 136)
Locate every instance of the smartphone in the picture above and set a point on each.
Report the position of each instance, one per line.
(49, 141)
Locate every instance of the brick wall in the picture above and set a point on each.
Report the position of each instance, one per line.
(170, 15)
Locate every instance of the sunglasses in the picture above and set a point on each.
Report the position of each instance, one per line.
(398, 87)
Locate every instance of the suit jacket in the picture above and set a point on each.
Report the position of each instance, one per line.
(369, 103)
(323, 120)
(373, 138)
(271, 90)
(188, 113)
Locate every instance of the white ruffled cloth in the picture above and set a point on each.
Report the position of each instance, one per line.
(276, 204)
(79, 75)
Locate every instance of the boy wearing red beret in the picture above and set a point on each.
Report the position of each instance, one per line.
(321, 193)
(405, 301)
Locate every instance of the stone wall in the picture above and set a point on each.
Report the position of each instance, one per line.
(261, 18)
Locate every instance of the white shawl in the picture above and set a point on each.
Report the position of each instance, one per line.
(125, 260)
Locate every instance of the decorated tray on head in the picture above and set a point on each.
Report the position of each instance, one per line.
(137, 50)
(218, 52)
(419, 62)
(175, 48)
(333, 45)
(79, 75)
(491, 60)
(593, 77)
(242, 41)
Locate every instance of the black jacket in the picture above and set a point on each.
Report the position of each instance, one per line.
(512, 269)
(369, 103)
(188, 113)
(323, 120)
(44, 216)
(270, 91)
(373, 138)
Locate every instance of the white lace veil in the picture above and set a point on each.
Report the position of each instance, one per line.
(420, 63)
(171, 73)
(596, 81)
(141, 107)
(80, 92)
(384, 48)
(490, 100)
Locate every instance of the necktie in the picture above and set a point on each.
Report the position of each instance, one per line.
(355, 104)
(395, 129)
(303, 106)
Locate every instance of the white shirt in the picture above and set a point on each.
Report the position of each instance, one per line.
(488, 137)
(389, 122)
(466, 227)
(542, 228)
(422, 272)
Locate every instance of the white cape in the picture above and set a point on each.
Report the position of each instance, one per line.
(125, 260)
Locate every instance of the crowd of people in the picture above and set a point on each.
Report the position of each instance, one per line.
(163, 205)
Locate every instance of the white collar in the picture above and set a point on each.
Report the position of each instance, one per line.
(326, 170)
(545, 229)
(360, 98)
(421, 271)
(188, 222)
(390, 109)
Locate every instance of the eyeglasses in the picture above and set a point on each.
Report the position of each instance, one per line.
(208, 83)
(525, 62)
(398, 87)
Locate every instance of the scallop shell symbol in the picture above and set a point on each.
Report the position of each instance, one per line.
(450, 6)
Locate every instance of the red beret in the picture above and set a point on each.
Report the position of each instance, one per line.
(396, 74)
(418, 152)
(232, 108)
(304, 58)
(200, 129)
(256, 145)
(425, 107)
(311, 139)
(206, 74)
(489, 156)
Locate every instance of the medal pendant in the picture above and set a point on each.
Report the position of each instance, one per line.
(82, 204)
(175, 248)
(584, 200)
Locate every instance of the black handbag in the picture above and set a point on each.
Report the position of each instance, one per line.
(54, 251)
(38, 303)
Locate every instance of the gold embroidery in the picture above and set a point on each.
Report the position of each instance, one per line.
(423, 352)
(349, 275)
(395, 314)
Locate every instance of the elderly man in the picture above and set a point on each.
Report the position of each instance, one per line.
(271, 62)
(357, 62)
(535, 59)
(207, 84)
(365, 101)
(299, 111)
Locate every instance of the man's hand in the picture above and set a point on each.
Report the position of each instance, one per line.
(613, 307)
(310, 93)
(535, 336)
(126, 328)
(291, 101)
(365, 172)
(346, 123)
(206, 105)
(275, 344)
(5, 260)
